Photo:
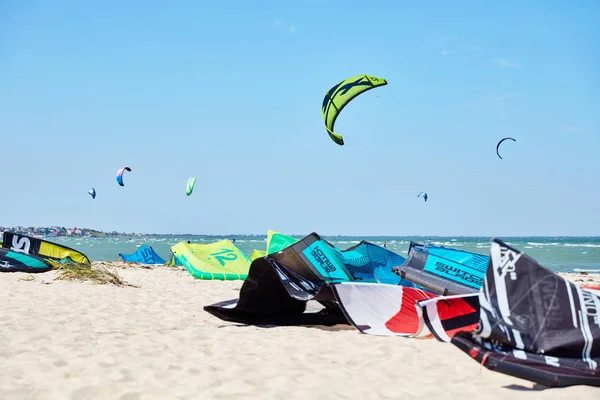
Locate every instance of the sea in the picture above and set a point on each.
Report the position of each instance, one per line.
(560, 254)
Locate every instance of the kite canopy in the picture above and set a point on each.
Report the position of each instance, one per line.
(120, 175)
(275, 242)
(278, 241)
(257, 254)
(279, 284)
(189, 187)
(92, 193)
(500, 142)
(533, 323)
(385, 310)
(424, 195)
(341, 94)
(443, 270)
(144, 255)
(42, 248)
(219, 260)
(12, 261)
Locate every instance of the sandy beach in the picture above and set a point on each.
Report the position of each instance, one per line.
(78, 340)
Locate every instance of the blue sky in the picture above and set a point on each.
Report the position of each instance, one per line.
(230, 92)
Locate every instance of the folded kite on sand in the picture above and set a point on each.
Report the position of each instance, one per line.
(384, 310)
(34, 251)
(280, 284)
(220, 260)
(394, 310)
(443, 270)
(144, 255)
(534, 324)
(526, 321)
(11, 261)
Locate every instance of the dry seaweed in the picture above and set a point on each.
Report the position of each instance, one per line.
(97, 273)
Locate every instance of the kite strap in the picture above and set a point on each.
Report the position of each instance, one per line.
(473, 354)
(483, 362)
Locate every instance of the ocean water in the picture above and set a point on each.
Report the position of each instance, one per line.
(560, 254)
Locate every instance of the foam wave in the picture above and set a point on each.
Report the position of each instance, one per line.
(447, 244)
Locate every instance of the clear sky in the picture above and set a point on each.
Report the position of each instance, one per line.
(231, 92)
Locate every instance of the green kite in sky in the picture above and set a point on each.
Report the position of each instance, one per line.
(341, 94)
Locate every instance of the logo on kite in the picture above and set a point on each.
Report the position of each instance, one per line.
(424, 195)
(189, 187)
(341, 94)
(92, 193)
(120, 175)
(500, 142)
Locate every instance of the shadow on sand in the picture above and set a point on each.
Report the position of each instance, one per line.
(536, 387)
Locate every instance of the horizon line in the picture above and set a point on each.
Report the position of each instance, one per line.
(117, 233)
(359, 236)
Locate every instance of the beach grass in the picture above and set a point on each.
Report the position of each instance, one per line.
(99, 274)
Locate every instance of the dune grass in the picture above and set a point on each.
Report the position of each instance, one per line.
(99, 274)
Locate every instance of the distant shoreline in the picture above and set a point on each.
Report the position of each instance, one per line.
(89, 233)
(322, 235)
(300, 235)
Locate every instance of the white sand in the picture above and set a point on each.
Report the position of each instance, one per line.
(71, 340)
